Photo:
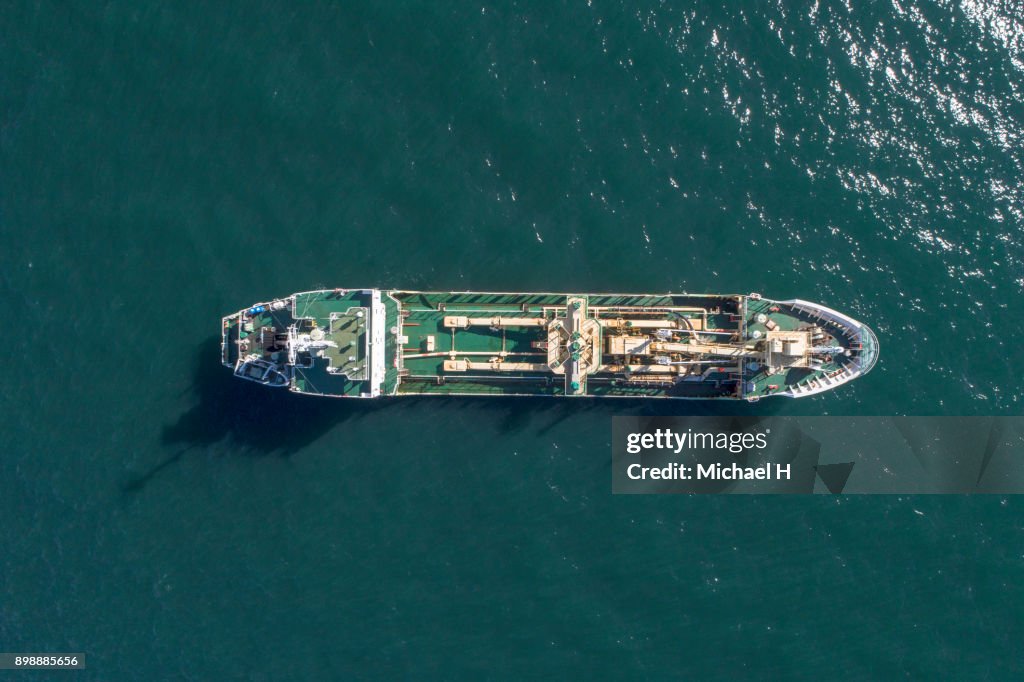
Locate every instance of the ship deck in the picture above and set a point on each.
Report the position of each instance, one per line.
(423, 319)
(364, 343)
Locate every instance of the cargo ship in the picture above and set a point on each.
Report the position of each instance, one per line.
(366, 343)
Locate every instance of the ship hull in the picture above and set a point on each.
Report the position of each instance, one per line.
(369, 343)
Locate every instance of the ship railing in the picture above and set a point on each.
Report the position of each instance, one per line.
(857, 332)
(868, 356)
(225, 326)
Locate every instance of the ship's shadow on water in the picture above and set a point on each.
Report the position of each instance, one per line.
(543, 414)
(245, 418)
(252, 420)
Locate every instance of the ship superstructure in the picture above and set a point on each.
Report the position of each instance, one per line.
(365, 343)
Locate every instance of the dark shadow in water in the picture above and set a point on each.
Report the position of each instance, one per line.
(254, 420)
(139, 481)
(518, 413)
(248, 418)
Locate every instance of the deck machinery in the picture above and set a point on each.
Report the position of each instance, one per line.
(364, 343)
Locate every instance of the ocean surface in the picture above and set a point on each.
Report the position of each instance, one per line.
(163, 164)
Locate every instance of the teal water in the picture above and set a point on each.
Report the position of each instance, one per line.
(162, 164)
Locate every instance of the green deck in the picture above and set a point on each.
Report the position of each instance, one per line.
(423, 319)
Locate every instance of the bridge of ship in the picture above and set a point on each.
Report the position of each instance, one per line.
(321, 339)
